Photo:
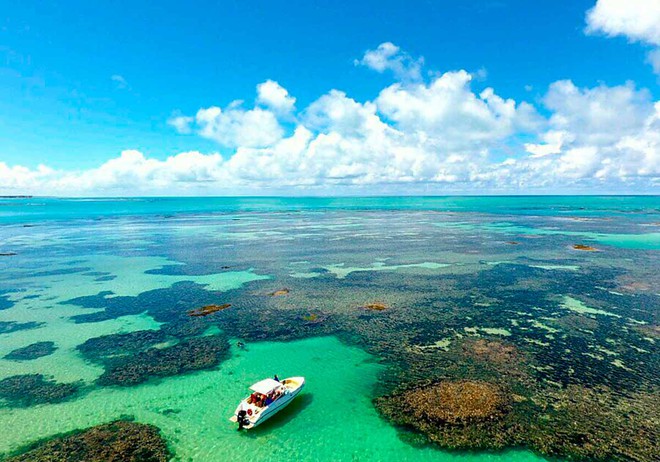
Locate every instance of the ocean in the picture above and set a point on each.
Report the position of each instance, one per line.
(549, 304)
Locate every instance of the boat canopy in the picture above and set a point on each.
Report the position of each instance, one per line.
(265, 386)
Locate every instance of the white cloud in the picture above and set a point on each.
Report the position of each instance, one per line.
(120, 81)
(274, 96)
(389, 57)
(447, 113)
(182, 124)
(601, 133)
(638, 20)
(653, 58)
(413, 137)
(235, 126)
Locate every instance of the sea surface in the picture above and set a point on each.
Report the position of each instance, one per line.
(447, 269)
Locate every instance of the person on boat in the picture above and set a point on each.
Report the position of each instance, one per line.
(276, 378)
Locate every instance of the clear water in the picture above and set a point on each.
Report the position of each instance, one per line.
(67, 249)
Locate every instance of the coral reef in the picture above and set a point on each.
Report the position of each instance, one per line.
(32, 351)
(119, 441)
(456, 402)
(454, 414)
(31, 389)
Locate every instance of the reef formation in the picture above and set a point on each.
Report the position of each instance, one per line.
(119, 441)
(31, 389)
(32, 351)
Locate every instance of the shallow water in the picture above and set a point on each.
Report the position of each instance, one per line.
(446, 268)
(332, 420)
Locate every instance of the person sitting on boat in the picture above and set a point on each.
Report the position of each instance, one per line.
(276, 378)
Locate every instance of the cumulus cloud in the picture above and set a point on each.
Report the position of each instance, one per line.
(232, 126)
(638, 20)
(389, 57)
(272, 95)
(653, 58)
(602, 132)
(413, 137)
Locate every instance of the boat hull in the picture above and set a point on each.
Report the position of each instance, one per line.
(294, 386)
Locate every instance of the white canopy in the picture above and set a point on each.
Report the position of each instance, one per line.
(265, 386)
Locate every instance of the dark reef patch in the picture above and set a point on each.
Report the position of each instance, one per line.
(7, 327)
(32, 389)
(32, 351)
(189, 355)
(60, 272)
(119, 441)
(5, 303)
(106, 347)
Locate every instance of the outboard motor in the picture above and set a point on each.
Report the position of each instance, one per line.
(242, 419)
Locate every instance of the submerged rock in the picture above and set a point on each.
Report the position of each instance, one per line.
(584, 247)
(375, 306)
(33, 351)
(118, 441)
(280, 292)
(31, 389)
(208, 309)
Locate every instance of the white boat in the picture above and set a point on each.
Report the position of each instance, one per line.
(269, 397)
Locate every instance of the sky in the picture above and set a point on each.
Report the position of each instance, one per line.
(329, 98)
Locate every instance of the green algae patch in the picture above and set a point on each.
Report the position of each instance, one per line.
(577, 306)
(557, 267)
(341, 271)
(119, 441)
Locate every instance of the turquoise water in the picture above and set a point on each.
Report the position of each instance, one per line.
(22, 210)
(448, 269)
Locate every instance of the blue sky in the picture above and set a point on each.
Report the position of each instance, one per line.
(81, 83)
